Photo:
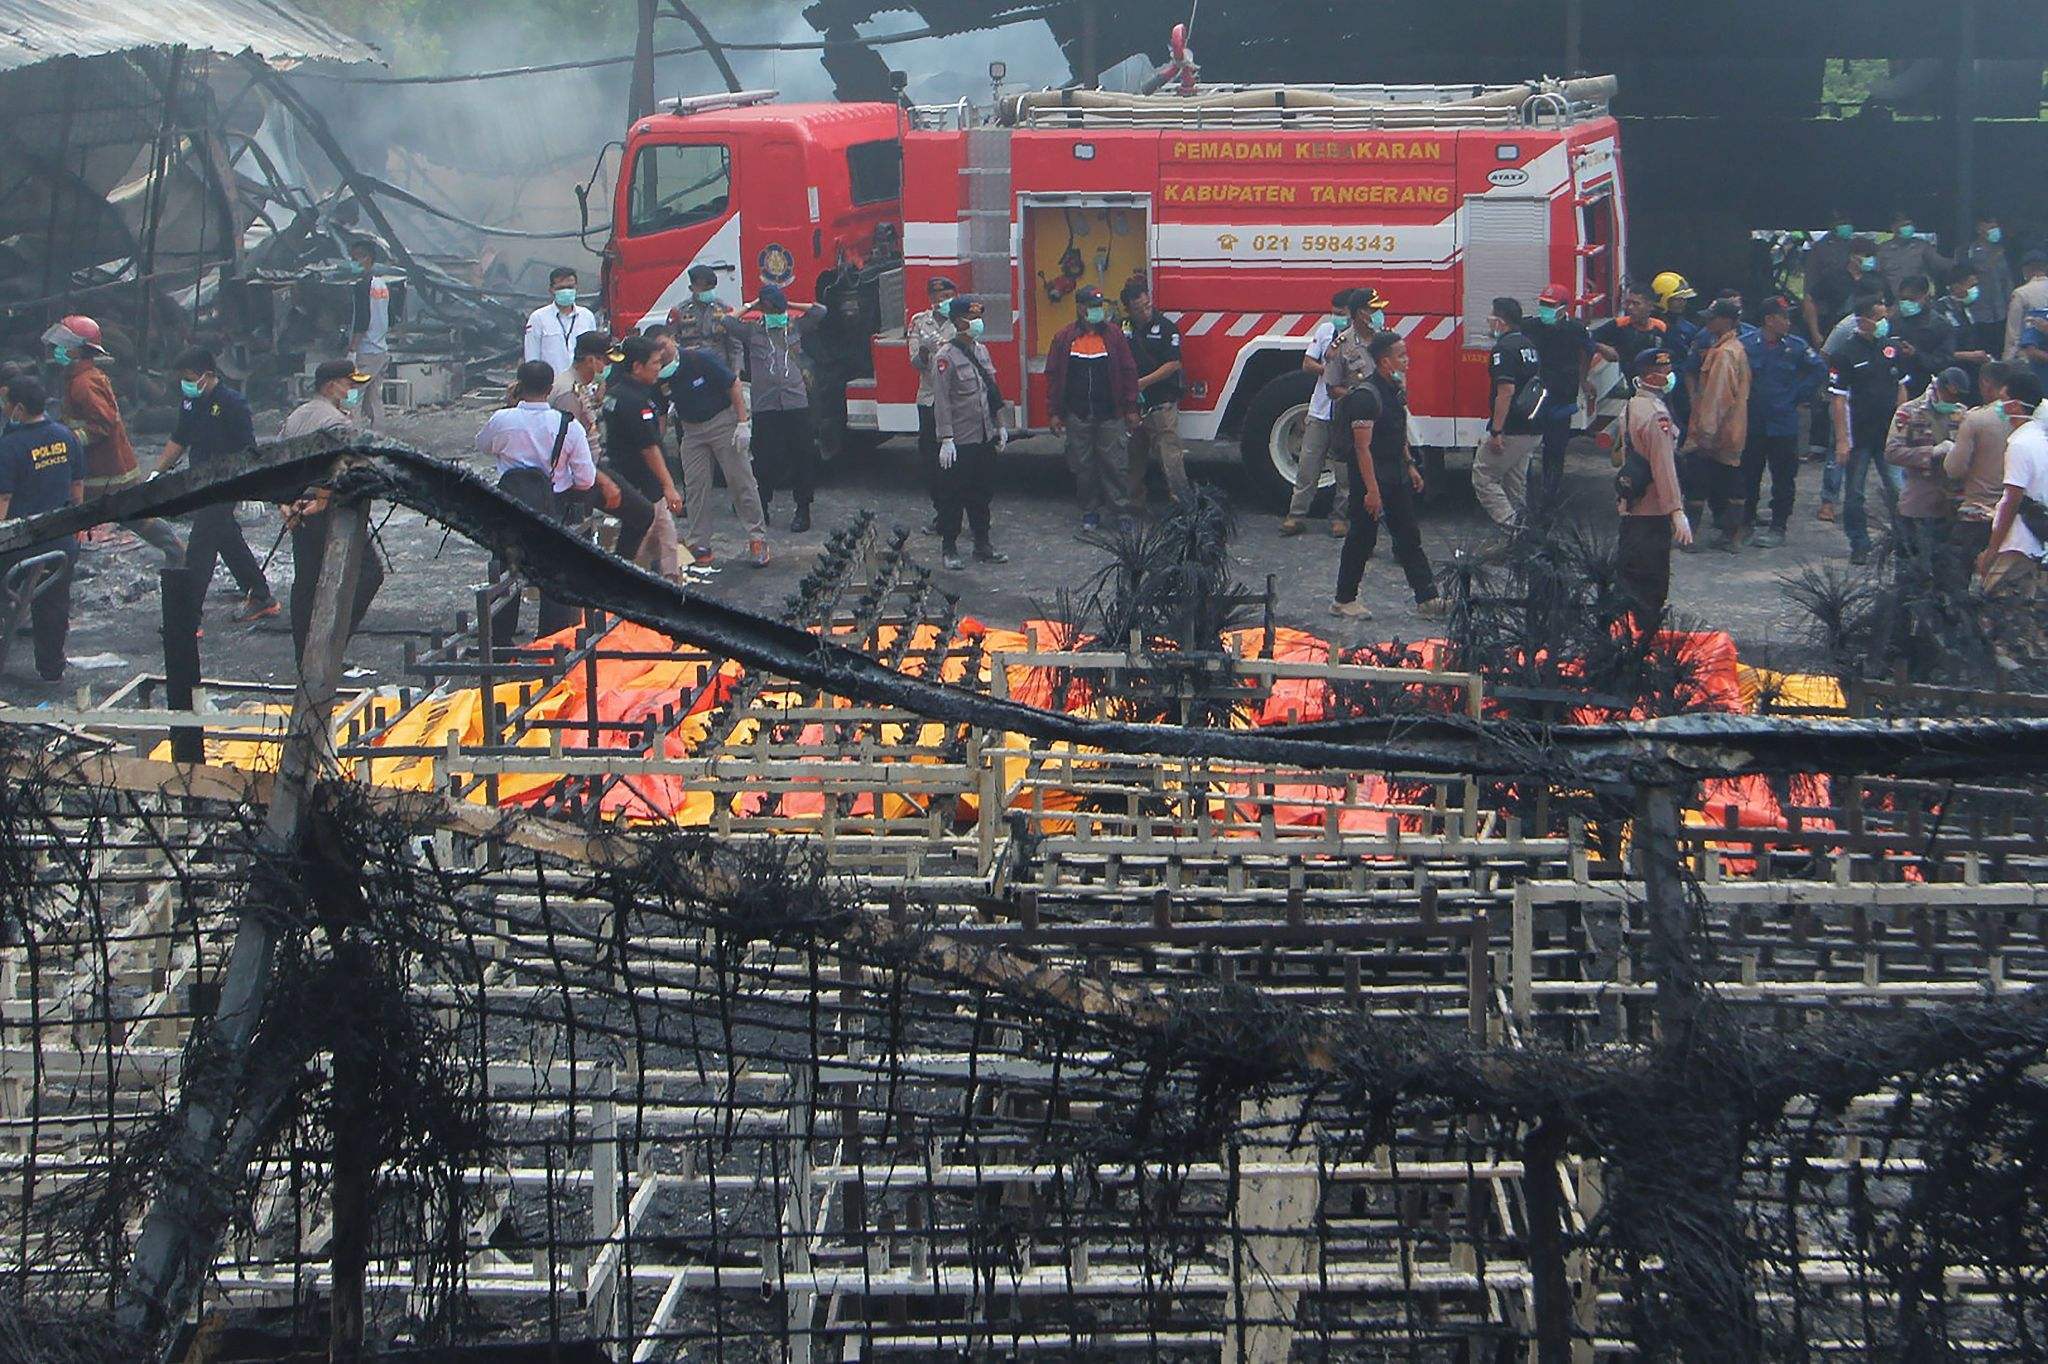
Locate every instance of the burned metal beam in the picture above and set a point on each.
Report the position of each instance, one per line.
(1672, 750)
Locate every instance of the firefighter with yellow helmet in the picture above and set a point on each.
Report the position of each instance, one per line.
(1674, 295)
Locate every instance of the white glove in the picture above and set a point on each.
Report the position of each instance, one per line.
(743, 438)
(948, 453)
(1002, 438)
(1681, 528)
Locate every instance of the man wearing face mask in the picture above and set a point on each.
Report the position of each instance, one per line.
(541, 455)
(700, 324)
(1384, 482)
(552, 330)
(1909, 253)
(1922, 436)
(1500, 466)
(369, 326)
(1987, 260)
(93, 413)
(925, 333)
(1785, 375)
(633, 420)
(1925, 340)
(785, 446)
(1566, 351)
(1864, 392)
(1827, 265)
(338, 391)
(1655, 518)
(42, 469)
(1091, 381)
(968, 410)
(711, 408)
(647, 529)
(1315, 431)
(1712, 469)
(1954, 307)
(213, 423)
(1155, 345)
(1346, 364)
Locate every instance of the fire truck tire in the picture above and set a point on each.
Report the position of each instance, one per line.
(1270, 438)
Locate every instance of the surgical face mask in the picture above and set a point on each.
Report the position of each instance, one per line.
(1905, 232)
(565, 298)
(1340, 320)
(61, 354)
(190, 388)
(975, 327)
(668, 371)
(1379, 319)
(1994, 235)
(1883, 328)
(1945, 408)
(1666, 384)
(1097, 315)
(706, 295)
(1547, 312)
(1972, 294)
(1867, 262)
(352, 398)
(1844, 230)
(775, 321)
(1909, 307)
(356, 267)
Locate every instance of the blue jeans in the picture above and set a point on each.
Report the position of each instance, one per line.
(1831, 480)
(1855, 512)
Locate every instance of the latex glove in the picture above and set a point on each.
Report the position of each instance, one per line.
(1681, 528)
(1002, 438)
(743, 437)
(949, 451)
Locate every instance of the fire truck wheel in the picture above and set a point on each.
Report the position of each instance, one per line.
(1270, 438)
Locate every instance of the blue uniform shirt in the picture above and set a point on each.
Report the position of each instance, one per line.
(1783, 374)
(701, 387)
(39, 461)
(217, 422)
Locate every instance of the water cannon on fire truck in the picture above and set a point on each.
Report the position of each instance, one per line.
(1244, 207)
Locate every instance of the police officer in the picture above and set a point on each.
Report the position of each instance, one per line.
(1347, 363)
(1925, 339)
(1155, 346)
(1385, 480)
(700, 322)
(1655, 518)
(213, 423)
(42, 469)
(967, 407)
(1906, 253)
(1863, 390)
(926, 332)
(1922, 435)
(1500, 466)
(1785, 374)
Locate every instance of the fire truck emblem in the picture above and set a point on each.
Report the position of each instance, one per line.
(778, 266)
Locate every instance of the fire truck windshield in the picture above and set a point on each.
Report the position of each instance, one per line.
(676, 186)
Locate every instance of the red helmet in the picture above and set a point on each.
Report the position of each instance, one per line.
(76, 332)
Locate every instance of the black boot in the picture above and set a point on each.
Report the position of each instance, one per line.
(949, 554)
(986, 553)
(800, 522)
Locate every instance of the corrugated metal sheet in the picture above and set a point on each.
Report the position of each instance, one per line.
(36, 30)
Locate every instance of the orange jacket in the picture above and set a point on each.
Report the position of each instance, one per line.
(92, 411)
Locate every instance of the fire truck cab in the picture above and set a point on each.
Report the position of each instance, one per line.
(1245, 208)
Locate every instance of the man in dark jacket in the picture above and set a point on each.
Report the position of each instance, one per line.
(1091, 380)
(1785, 375)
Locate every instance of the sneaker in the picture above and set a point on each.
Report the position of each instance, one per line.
(1770, 537)
(1436, 608)
(1291, 525)
(1826, 511)
(253, 610)
(989, 554)
(1351, 610)
(950, 556)
(1339, 529)
(1860, 556)
(757, 550)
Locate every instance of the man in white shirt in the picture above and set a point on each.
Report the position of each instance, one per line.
(552, 330)
(369, 327)
(1315, 436)
(2012, 563)
(541, 453)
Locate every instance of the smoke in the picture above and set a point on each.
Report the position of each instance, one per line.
(511, 153)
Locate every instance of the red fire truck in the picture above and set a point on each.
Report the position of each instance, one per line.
(1245, 207)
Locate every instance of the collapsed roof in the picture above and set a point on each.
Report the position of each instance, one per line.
(34, 31)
